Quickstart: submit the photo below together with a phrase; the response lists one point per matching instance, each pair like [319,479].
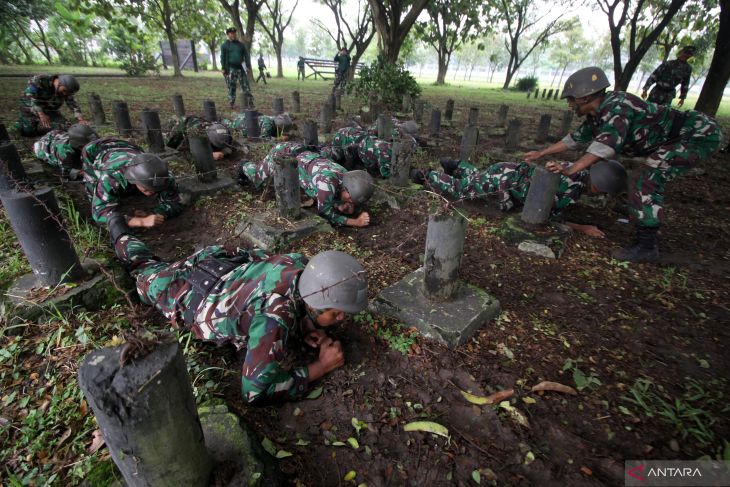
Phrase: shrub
[528,83]
[389,80]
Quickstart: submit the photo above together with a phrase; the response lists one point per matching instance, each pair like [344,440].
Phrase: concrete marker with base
[152,128]
[178,105]
[123,123]
[97,109]
[209,111]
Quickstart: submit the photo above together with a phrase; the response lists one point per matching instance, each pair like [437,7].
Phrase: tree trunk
[46,49]
[279,66]
[252,13]
[719,73]
[212,48]
[167,20]
[393,29]
[443,67]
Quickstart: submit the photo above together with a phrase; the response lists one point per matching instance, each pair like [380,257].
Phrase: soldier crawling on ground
[218,134]
[41,103]
[62,149]
[275,126]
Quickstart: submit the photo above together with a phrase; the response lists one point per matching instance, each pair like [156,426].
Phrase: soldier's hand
[217,156]
[532,156]
[363,220]
[148,221]
[593,231]
[644,94]
[45,120]
[680,102]
[315,338]
[330,355]
[554,167]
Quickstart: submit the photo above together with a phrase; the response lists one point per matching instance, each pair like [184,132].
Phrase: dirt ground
[643,344]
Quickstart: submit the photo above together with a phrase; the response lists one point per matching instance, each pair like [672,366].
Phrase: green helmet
[689,50]
[359,184]
[219,136]
[283,121]
[149,171]
[584,82]
[69,82]
[608,176]
[409,127]
[80,134]
[334,279]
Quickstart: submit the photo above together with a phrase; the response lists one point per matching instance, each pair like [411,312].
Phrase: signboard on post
[185,53]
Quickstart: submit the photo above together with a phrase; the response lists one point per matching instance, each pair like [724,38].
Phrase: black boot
[417,176]
[449,165]
[242,178]
[644,248]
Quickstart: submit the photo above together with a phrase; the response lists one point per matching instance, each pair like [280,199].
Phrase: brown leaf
[66,434]
[83,408]
[97,441]
[586,470]
[546,385]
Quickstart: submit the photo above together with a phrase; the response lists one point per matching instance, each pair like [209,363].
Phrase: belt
[677,124]
[204,277]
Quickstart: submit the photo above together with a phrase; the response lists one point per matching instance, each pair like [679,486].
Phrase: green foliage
[389,80]
[397,339]
[527,83]
[581,379]
[131,47]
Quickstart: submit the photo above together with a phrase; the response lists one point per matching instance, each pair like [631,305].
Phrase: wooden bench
[322,67]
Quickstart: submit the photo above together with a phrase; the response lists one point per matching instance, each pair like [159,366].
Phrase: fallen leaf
[586,470]
[337,443]
[428,427]
[83,408]
[546,385]
[353,443]
[491,399]
[515,413]
[350,476]
[297,412]
[529,458]
[97,441]
[66,434]
[283,454]
[315,393]
[476,476]
[301,442]
[528,400]
[269,446]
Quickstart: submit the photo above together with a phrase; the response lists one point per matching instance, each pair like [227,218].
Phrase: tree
[274,25]
[719,73]
[27,21]
[568,49]
[392,26]
[645,19]
[451,24]
[520,20]
[359,34]
[252,14]
[205,20]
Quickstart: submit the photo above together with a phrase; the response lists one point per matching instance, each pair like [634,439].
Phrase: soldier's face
[61,90]
[231,36]
[145,191]
[331,317]
[346,206]
[578,105]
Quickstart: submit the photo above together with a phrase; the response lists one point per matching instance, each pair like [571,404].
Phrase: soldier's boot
[242,178]
[449,165]
[417,176]
[644,248]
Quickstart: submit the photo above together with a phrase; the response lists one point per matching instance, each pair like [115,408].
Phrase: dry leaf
[554,386]
[586,470]
[96,442]
[491,399]
[428,427]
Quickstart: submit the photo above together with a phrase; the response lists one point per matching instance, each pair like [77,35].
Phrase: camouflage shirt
[255,305]
[670,74]
[40,96]
[321,179]
[55,149]
[238,124]
[104,161]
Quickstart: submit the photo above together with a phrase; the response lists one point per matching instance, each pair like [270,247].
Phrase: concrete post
[557,92]
[209,112]
[418,112]
[543,128]
[444,249]
[449,113]
[513,133]
[435,127]
[296,102]
[338,100]
[332,100]
[12,171]
[121,117]
[469,142]
[544,92]
[566,122]
[374,106]
[385,127]
[147,413]
[473,116]
[286,187]
[407,103]
[97,109]
[537,93]
[502,115]
[309,132]
[247,102]
[4,135]
[152,130]
[540,196]
[278,106]
[36,220]
[550,94]
[178,105]
[202,152]
[325,118]
[251,123]
[400,164]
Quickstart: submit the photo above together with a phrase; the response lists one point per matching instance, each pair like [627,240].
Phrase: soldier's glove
[117,227]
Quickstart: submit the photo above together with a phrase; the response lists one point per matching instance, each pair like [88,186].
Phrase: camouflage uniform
[667,76]
[234,58]
[262,71]
[260,172]
[103,163]
[345,140]
[376,155]
[55,149]
[179,128]
[509,181]
[40,97]
[249,300]
[672,142]
[238,124]
[341,71]
[300,69]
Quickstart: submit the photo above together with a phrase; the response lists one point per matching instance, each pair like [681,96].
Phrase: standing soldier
[300,68]
[234,60]
[342,59]
[262,69]
[667,76]
[621,123]
[62,150]
[42,100]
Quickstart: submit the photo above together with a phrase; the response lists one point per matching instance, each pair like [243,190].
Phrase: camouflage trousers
[662,96]
[699,139]
[261,76]
[29,125]
[300,73]
[236,77]
[258,172]
[340,80]
[375,155]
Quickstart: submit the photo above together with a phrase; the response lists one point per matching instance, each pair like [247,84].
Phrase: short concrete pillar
[296,102]
[400,164]
[544,92]
[540,196]
[449,112]
[325,118]
[338,100]
[550,94]
[502,115]
[309,132]
[444,249]
[513,133]
[407,103]
[557,92]
[374,106]
[473,116]
[36,220]
[209,112]
[469,142]
[543,128]
[12,171]
[152,130]
[435,126]
[278,106]
[537,93]
[251,123]
[202,153]
[286,187]
[4,135]
[178,105]
[120,110]
[385,127]
[97,109]
[147,413]
[332,100]
[418,111]
[566,122]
